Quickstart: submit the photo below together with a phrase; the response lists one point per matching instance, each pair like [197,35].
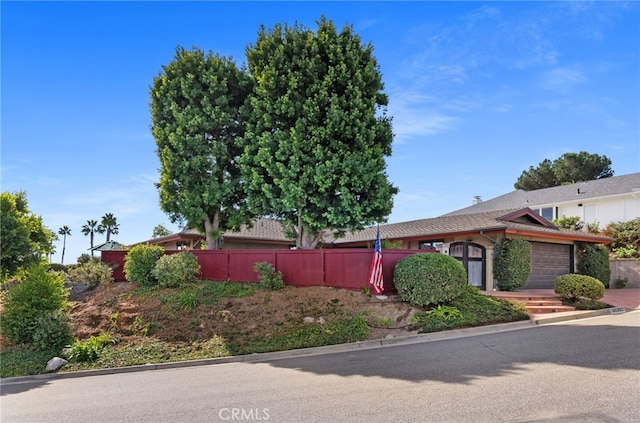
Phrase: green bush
[432,278]
[84,258]
[626,236]
[41,292]
[569,222]
[268,277]
[140,262]
[593,260]
[173,270]
[89,350]
[57,267]
[512,264]
[91,273]
[573,287]
[52,331]
[469,309]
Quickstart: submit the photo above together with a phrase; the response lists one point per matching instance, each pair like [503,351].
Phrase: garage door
[547,262]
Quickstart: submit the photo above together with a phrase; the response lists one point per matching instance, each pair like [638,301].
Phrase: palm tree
[90,229]
[109,223]
[64,231]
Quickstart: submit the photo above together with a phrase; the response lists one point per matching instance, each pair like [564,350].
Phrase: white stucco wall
[604,210]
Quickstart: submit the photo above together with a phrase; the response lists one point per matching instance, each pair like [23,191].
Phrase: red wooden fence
[337,267]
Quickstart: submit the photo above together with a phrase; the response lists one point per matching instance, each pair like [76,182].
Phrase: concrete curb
[304,352]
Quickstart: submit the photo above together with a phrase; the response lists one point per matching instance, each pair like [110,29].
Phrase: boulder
[55,363]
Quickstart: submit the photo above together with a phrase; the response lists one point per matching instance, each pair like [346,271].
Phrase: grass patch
[472,309]
[348,329]
[152,351]
[23,361]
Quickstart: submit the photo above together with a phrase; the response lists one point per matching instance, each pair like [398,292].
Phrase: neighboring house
[109,245]
[601,201]
[265,233]
[471,238]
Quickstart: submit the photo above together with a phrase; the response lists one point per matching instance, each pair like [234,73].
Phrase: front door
[473,258]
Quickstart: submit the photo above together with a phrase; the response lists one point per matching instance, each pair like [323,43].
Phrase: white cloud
[562,79]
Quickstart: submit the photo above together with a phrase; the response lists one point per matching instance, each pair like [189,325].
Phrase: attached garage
[547,262]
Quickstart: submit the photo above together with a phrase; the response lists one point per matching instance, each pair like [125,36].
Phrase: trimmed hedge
[512,264]
[573,287]
[177,269]
[593,260]
[429,279]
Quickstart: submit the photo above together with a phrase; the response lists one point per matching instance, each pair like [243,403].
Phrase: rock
[308,319]
[320,320]
[55,363]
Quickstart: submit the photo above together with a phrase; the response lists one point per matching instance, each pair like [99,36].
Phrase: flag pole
[376,278]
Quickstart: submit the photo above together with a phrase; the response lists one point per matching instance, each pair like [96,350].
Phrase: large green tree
[160,230]
[318,133]
[25,239]
[196,121]
[567,169]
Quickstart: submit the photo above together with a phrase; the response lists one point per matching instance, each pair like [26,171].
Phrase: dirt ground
[114,308]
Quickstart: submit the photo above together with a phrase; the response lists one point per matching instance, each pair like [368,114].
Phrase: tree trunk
[91,241]
[64,244]
[305,240]
[211,230]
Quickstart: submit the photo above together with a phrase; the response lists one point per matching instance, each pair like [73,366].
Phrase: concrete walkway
[628,298]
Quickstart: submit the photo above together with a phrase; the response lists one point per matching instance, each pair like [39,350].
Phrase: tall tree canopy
[567,169]
[25,239]
[318,133]
[90,229]
[195,109]
[110,225]
[64,231]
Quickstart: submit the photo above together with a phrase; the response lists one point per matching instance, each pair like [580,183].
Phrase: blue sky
[478,91]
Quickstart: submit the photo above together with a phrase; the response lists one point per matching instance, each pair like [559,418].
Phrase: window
[435,245]
[546,212]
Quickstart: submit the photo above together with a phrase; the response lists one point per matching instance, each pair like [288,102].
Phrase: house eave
[559,236]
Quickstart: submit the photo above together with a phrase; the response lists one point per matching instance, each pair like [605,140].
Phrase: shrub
[140,262]
[88,350]
[41,292]
[573,287]
[593,260]
[625,252]
[432,278]
[512,264]
[625,235]
[84,258]
[470,309]
[173,270]
[268,277]
[569,222]
[52,331]
[621,282]
[91,273]
[590,305]
[57,267]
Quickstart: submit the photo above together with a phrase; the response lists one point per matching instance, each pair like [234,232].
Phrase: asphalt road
[579,371]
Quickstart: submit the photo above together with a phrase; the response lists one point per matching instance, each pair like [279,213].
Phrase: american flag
[375,274]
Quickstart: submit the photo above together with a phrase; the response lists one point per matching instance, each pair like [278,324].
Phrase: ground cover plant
[125,324]
[469,309]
